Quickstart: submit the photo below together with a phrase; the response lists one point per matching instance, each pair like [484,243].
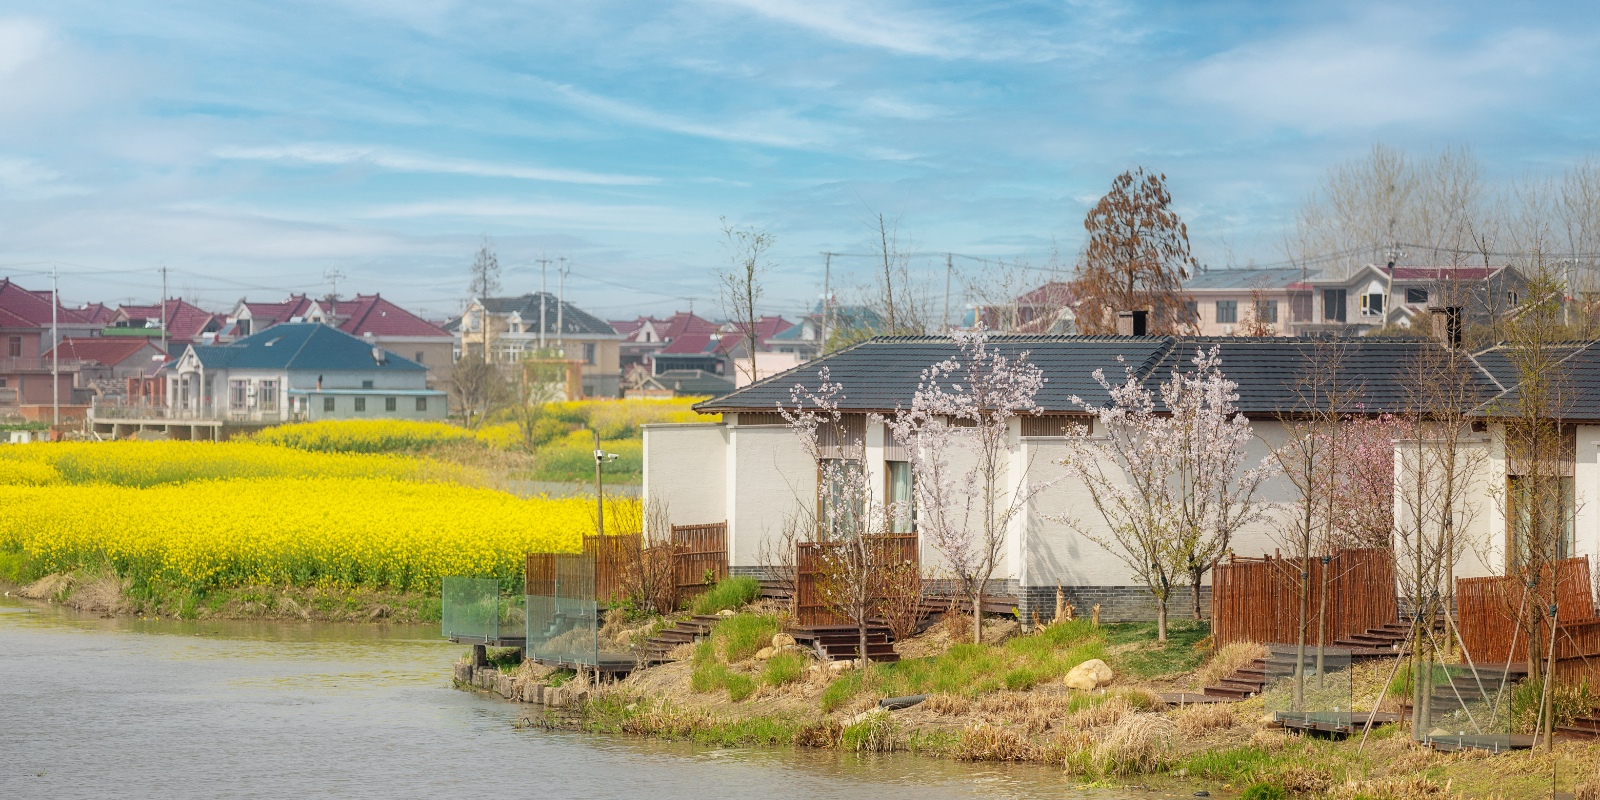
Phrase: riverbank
[105,594]
[1120,734]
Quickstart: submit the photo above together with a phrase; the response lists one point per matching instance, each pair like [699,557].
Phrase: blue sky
[253,147]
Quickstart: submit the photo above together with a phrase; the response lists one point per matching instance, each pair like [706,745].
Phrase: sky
[254,149]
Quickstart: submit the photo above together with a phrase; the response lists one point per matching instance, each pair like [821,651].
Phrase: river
[114,708]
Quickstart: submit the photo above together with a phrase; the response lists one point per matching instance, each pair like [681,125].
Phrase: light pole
[600,457]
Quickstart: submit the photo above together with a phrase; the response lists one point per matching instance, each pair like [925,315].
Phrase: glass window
[418,359]
[1511,298]
[269,395]
[839,510]
[588,352]
[1227,311]
[237,394]
[361,404]
[1372,304]
[422,404]
[1554,510]
[327,404]
[1416,295]
[900,497]
[1333,305]
[1193,307]
[14,347]
[390,404]
[1267,311]
[366,384]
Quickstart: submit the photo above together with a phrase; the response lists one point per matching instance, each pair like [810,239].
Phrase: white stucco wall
[685,467]
[770,478]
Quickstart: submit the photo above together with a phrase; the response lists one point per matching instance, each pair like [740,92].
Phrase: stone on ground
[1091,674]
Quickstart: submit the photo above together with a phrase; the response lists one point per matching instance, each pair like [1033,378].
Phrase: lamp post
[600,457]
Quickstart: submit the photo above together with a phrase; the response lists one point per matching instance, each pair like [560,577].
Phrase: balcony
[14,364]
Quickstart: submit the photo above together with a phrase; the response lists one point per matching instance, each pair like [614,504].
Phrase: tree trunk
[1322,628]
[861,645]
[1195,576]
[1299,698]
[977,617]
[1161,619]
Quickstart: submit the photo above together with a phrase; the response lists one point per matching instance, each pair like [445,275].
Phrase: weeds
[1230,658]
[739,637]
[1198,719]
[729,594]
[875,734]
[1139,743]
[783,668]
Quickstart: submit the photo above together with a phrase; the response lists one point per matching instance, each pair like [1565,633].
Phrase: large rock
[782,640]
[1091,674]
[763,654]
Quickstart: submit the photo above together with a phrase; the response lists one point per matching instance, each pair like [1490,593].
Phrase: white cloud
[1376,71]
[774,128]
[333,154]
[537,214]
[21,41]
[853,23]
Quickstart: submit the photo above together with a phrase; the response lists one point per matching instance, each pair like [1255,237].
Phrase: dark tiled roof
[1272,278]
[882,373]
[573,319]
[300,345]
[693,382]
[1576,384]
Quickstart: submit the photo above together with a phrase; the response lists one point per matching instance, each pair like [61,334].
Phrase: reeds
[1139,743]
[1198,719]
[1230,658]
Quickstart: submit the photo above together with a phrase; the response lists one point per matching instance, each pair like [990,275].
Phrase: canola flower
[158,463]
[363,435]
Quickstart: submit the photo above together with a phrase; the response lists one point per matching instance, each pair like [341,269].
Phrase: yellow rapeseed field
[363,435]
[181,515]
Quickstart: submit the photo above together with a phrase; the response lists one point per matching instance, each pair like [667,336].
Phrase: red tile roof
[29,309]
[107,350]
[98,313]
[185,321]
[375,315]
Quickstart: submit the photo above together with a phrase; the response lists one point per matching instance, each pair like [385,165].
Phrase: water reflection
[145,708]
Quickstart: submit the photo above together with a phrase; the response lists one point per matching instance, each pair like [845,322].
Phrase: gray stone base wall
[1117,603]
[759,573]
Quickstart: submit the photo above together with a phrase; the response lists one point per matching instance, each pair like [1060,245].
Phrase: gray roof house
[299,371]
[748,469]
[508,329]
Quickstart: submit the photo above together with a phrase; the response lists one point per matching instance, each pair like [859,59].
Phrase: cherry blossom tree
[1363,488]
[846,518]
[963,408]
[1166,475]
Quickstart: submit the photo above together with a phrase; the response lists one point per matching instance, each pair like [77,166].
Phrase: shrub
[1263,791]
[1230,658]
[875,734]
[729,594]
[1139,743]
[739,637]
[783,668]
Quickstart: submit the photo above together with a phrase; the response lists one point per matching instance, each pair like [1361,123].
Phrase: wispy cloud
[854,23]
[400,161]
[773,128]
[546,213]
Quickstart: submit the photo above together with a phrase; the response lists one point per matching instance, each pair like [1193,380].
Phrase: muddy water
[107,708]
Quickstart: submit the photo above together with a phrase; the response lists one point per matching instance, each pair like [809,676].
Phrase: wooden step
[1228,691]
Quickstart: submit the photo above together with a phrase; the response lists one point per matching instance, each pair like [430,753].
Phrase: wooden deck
[1341,722]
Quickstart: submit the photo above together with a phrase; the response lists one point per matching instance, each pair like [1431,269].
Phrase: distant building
[371,317]
[185,322]
[644,337]
[1373,296]
[681,383]
[25,374]
[106,363]
[508,329]
[1225,300]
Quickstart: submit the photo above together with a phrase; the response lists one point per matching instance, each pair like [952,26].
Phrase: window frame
[1227,312]
[1412,298]
[329,404]
[422,404]
[391,404]
[361,405]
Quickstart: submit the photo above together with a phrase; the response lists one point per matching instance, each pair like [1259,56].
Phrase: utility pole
[333,276]
[543,264]
[600,457]
[562,269]
[949,265]
[163,310]
[55,351]
[827,298]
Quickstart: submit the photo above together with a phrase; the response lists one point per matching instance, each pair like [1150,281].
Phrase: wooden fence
[698,552]
[1488,609]
[614,557]
[1258,599]
[811,570]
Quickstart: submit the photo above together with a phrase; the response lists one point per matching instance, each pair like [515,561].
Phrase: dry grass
[877,733]
[1110,712]
[1415,787]
[1139,743]
[824,733]
[1269,740]
[994,743]
[1300,779]
[1196,720]
[1230,658]
[948,705]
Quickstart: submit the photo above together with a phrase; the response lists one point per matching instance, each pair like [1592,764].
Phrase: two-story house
[511,329]
[371,317]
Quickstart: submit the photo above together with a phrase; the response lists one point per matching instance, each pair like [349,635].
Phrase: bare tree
[485,271]
[894,301]
[1137,257]
[540,379]
[741,285]
[478,387]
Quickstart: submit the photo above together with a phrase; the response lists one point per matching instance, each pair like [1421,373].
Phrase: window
[1372,305]
[1267,311]
[390,404]
[1227,311]
[836,506]
[327,404]
[418,359]
[1333,305]
[2,383]
[238,394]
[14,347]
[1416,296]
[361,404]
[1555,523]
[422,404]
[1511,298]
[366,384]
[588,353]
[1193,307]
[899,492]
[268,395]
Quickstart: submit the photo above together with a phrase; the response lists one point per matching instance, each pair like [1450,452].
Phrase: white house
[748,469]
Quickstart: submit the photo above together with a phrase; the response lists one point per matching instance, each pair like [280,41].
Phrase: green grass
[1237,765]
[969,670]
[1178,655]
[1263,791]
[783,668]
[734,639]
[739,637]
[729,594]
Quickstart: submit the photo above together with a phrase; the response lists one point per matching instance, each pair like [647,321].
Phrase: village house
[511,329]
[377,321]
[25,374]
[748,469]
[108,365]
[185,322]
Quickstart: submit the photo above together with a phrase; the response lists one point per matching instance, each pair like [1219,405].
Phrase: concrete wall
[771,478]
[685,467]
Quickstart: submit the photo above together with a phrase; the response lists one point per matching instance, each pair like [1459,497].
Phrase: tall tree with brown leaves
[1136,259]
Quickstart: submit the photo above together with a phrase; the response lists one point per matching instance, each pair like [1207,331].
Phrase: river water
[113,708]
